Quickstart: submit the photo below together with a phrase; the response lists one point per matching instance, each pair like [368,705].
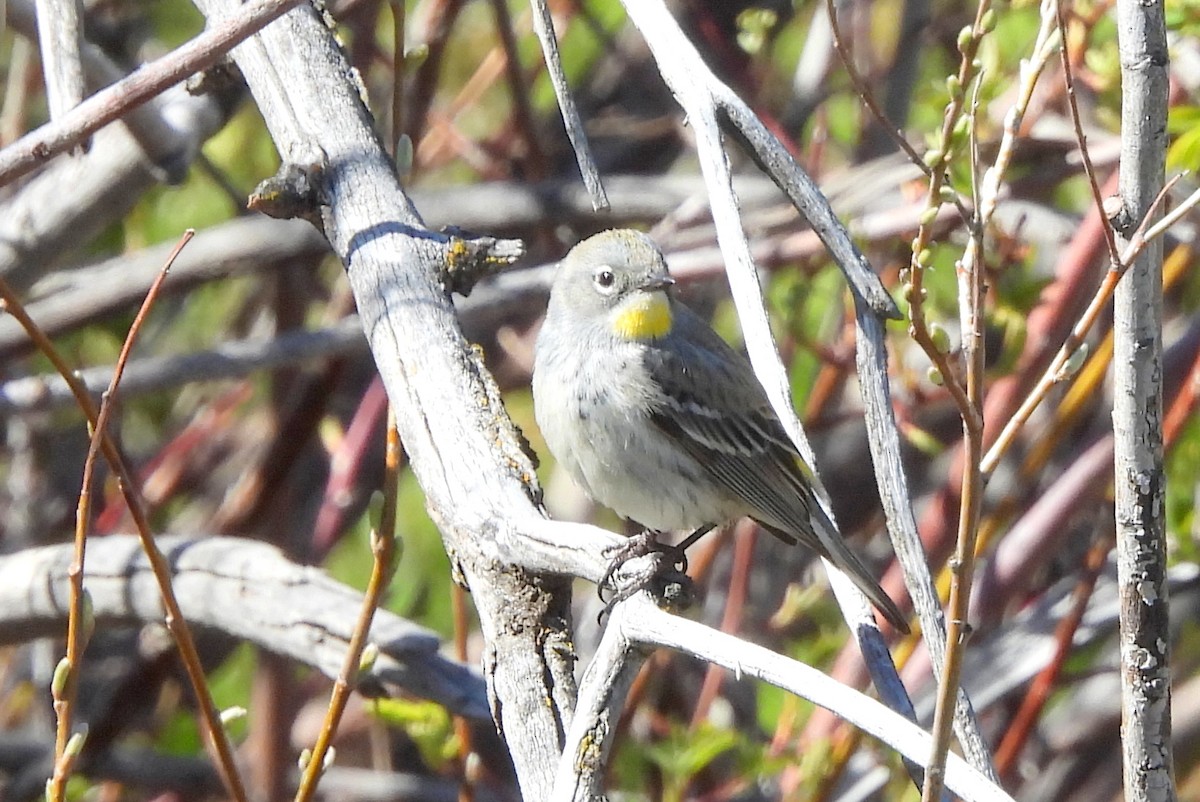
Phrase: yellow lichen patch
[646,316]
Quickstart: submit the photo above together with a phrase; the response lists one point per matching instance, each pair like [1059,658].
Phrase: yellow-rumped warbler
[656,417]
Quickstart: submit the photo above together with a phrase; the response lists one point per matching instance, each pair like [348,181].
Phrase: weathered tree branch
[1140,480]
[244,588]
[638,623]
[104,107]
[461,444]
[60,33]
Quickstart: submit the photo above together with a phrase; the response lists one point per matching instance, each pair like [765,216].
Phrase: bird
[655,416]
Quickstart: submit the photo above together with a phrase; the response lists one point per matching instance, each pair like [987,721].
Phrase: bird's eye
[605,278]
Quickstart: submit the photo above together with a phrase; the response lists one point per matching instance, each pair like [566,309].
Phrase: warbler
[657,418]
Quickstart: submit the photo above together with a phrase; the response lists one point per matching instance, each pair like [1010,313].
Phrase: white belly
[611,448]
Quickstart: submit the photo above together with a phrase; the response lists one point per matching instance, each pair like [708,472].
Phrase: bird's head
[617,279]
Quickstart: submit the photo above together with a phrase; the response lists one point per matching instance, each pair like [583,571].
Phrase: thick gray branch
[244,588]
[644,623]
[231,360]
[459,440]
[80,297]
[1137,415]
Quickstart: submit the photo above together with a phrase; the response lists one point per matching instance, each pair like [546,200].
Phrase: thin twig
[218,741]
[76,622]
[968,392]
[76,625]
[1060,367]
[399,12]
[1110,237]
[60,33]
[1148,234]
[543,24]
[962,566]
[383,551]
[939,161]
[104,107]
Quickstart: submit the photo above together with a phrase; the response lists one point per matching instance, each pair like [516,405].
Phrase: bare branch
[543,24]
[60,33]
[104,107]
[645,623]
[1137,415]
[452,417]
[245,588]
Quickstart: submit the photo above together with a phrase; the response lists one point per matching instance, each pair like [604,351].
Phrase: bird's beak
[657,283]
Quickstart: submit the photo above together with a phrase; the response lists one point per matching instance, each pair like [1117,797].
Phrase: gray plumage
[673,431]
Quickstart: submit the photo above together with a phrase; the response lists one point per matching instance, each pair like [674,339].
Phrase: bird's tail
[834,549]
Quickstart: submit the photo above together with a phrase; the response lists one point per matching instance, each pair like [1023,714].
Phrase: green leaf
[1184,152]
[426,723]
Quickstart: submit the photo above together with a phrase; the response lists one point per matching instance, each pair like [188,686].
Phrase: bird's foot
[664,575]
[643,544]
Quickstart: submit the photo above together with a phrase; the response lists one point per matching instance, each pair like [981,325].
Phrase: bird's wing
[715,410]
[713,407]
[741,455]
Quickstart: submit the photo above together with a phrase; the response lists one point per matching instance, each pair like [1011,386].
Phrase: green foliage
[843,119]
[243,150]
[1073,194]
[1103,62]
[1183,462]
[1016,30]
[1183,123]
[789,42]
[80,788]
[754,29]
[684,753]
[1183,17]
[174,23]
[426,723]
[773,703]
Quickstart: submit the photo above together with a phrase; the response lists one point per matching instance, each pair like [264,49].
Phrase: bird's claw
[664,576]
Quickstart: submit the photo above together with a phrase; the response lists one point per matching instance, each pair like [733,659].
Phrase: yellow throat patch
[645,317]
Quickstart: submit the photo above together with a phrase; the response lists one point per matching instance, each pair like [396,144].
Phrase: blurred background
[252,407]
